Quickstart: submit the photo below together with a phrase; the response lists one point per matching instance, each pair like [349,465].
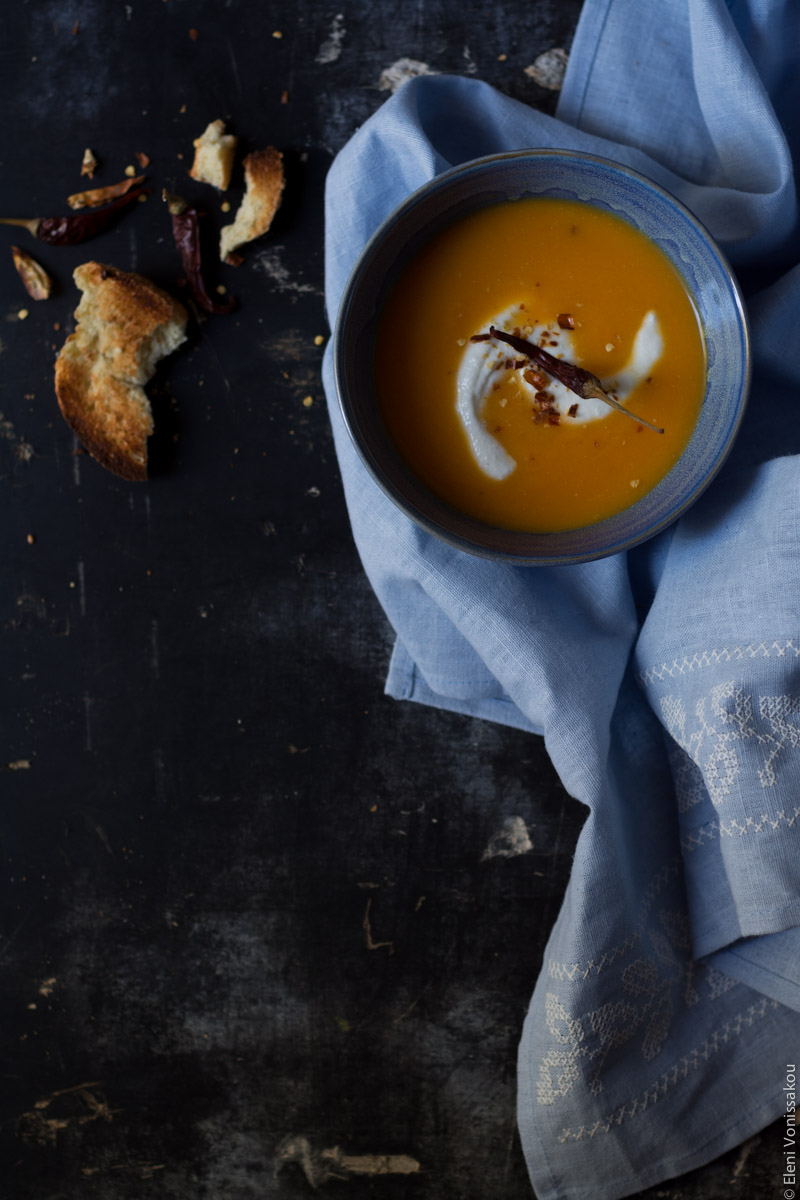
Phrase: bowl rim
[529,557]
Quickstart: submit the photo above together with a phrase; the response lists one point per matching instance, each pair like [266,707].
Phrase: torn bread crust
[214,152]
[263,173]
[125,325]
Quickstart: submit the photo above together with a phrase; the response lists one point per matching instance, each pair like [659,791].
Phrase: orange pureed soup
[483,427]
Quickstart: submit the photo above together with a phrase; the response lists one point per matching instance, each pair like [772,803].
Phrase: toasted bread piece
[213,156]
[263,173]
[125,325]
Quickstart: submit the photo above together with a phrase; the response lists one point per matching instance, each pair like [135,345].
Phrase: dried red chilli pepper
[38,283]
[186,232]
[582,383]
[78,226]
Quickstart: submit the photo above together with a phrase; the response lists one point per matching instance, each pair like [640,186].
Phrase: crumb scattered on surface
[89,164]
[403,69]
[548,69]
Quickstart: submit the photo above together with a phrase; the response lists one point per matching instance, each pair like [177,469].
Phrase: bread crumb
[130,171]
[634,483]
[225,206]
[609,347]
[319,339]
[308,401]
[30,539]
[214,151]
[277,33]
[89,164]
[23,314]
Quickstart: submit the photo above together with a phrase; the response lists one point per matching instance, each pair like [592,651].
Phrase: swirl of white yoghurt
[483,364]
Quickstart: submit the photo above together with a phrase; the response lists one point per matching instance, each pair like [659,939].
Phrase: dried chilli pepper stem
[582,383]
[78,226]
[186,232]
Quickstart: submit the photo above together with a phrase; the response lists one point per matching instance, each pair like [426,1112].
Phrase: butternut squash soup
[494,433]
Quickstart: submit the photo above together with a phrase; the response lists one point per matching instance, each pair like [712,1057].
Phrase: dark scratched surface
[250,909]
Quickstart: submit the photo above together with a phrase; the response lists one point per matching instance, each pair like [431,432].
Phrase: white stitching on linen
[711,745]
[571,971]
[712,658]
[681,1070]
[650,988]
[767,822]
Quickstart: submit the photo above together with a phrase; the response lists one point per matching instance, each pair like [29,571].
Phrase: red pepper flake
[142,159]
[284,97]
[566,320]
[579,381]
[572,411]
[534,378]
[193,34]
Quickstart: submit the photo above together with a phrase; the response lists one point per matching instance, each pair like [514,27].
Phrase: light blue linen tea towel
[666,682]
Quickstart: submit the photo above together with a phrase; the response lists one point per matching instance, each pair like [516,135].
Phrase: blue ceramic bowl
[607,185]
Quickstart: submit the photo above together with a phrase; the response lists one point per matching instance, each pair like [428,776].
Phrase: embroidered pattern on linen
[576,970]
[765,823]
[787,648]
[716,1041]
[725,716]
[651,988]
[723,720]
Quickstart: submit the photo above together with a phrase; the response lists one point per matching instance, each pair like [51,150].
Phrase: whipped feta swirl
[484,365]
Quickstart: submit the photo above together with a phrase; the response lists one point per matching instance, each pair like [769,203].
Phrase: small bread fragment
[213,156]
[125,325]
[263,173]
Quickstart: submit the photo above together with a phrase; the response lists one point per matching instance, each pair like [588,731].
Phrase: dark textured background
[247,898]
